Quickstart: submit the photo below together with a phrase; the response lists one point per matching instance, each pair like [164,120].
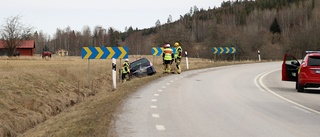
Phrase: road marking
[153,106]
[168,83]
[296,107]
[160,127]
[160,90]
[156,95]
[155,115]
[171,81]
[154,100]
[256,81]
[163,86]
[269,90]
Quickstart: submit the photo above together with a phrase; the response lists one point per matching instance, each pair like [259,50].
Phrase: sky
[48,15]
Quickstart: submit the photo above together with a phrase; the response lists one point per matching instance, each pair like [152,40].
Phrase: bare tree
[14,32]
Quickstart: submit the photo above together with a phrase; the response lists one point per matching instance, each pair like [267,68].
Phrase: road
[231,101]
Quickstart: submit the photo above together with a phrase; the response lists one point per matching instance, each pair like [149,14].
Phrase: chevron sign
[104,52]
[224,50]
[159,50]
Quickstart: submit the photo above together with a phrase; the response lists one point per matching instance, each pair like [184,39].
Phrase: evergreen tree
[275,27]
[46,48]
[158,24]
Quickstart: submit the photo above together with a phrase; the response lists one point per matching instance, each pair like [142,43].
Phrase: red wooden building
[26,49]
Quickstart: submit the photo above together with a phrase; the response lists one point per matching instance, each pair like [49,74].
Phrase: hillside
[274,27]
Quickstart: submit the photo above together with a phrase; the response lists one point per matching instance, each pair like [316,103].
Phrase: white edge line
[295,103]
[256,82]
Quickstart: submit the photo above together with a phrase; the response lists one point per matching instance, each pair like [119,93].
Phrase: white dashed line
[155,115]
[160,127]
[171,81]
[160,90]
[168,83]
[154,100]
[163,86]
[156,95]
[153,106]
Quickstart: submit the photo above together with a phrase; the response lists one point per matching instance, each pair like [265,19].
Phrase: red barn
[26,49]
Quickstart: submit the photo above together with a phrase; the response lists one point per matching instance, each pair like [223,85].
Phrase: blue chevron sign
[159,50]
[224,50]
[92,52]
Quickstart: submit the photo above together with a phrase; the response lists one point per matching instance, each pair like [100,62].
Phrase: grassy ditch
[54,97]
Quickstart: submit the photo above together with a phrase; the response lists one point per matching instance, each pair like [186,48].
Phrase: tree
[158,24]
[46,48]
[14,32]
[112,37]
[169,20]
[275,27]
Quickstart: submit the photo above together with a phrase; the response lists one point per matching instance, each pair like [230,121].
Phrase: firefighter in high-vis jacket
[178,56]
[125,70]
[167,56]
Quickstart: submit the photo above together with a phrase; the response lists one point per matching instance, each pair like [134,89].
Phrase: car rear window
[314,61]
[142,62]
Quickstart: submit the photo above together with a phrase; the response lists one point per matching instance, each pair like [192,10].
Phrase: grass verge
[53,97]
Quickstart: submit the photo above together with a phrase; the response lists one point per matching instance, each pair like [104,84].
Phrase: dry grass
[53,97]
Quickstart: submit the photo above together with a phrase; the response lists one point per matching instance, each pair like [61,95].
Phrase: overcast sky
[48,15]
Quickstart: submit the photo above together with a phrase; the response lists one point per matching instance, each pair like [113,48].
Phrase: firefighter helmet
[126,60]
[176,44]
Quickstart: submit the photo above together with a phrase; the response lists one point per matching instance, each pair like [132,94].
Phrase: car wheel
[299,87]
[151,70]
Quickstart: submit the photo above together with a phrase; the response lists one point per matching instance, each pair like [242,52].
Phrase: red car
[46,53]
[306,74]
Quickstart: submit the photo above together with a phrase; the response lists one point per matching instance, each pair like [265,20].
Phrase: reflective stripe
[178,51]
[167,54]
[125,67]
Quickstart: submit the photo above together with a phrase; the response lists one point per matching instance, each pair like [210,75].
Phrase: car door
[290,68]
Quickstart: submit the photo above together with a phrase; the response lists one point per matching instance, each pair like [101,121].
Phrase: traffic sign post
[186,54]
[114,73]
[259,55]
[101,52]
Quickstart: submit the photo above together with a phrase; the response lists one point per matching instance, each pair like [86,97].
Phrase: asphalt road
[233,101]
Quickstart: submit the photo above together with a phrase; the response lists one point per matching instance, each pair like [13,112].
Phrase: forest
[273,27]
